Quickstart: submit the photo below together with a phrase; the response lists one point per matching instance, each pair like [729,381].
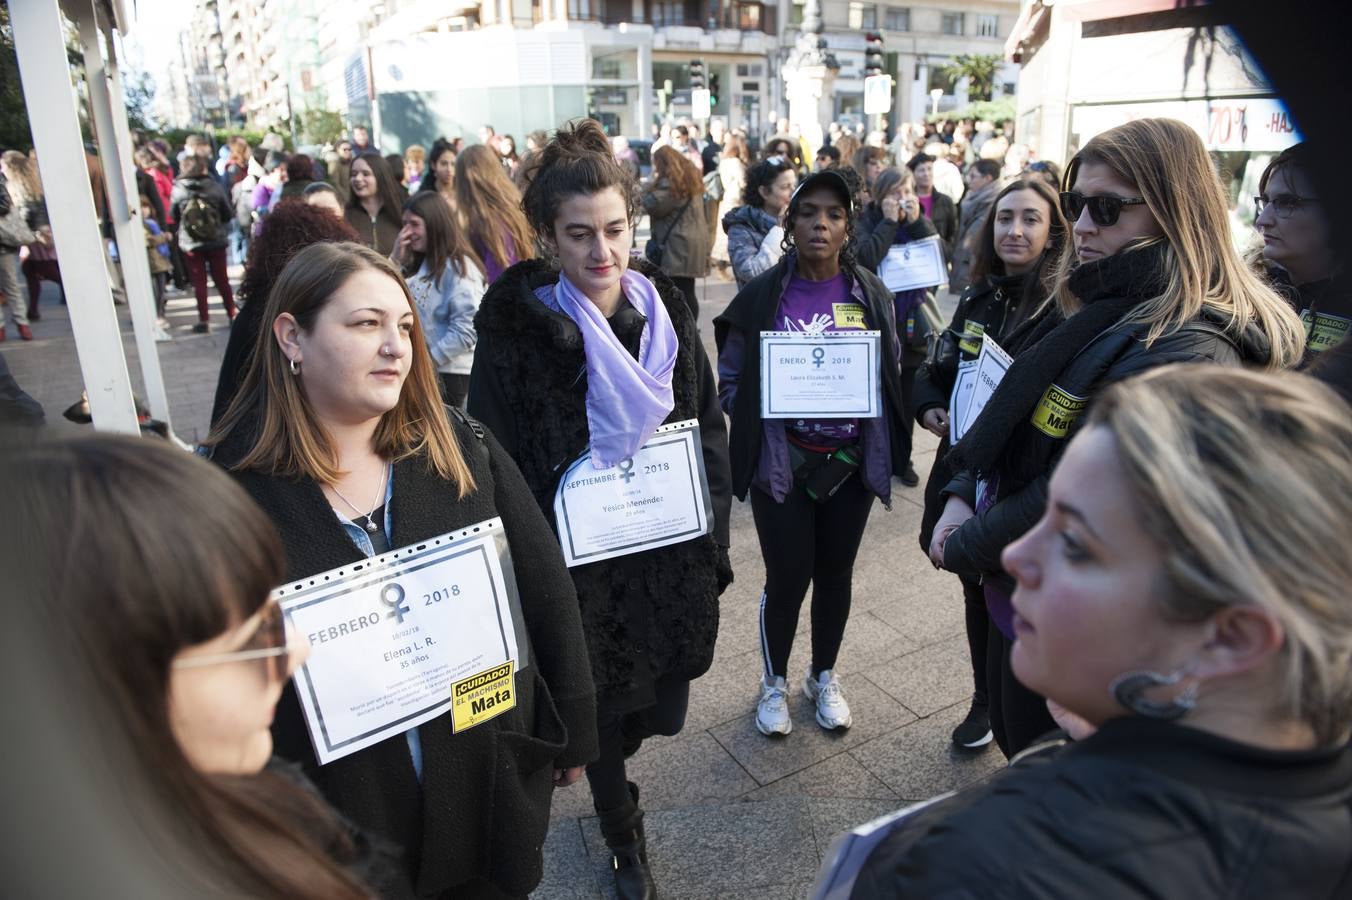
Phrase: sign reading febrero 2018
[402,638]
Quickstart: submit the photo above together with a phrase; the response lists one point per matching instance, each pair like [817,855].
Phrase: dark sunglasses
[1103,209]
[268,645]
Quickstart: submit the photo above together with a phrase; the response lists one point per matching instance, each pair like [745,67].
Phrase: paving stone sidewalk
[730,813]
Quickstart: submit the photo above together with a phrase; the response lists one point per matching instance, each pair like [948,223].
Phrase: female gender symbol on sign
[818,356]
[392,595]
[624,466]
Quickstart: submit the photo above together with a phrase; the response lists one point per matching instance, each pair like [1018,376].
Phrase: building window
[952,23]
[796,12]
[863,16]
[898,19]
[581,10]
[987,26]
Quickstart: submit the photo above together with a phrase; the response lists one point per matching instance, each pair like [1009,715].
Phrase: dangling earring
[295,369]
[1129,691]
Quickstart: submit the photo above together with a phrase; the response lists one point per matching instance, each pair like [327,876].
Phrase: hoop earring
[295,369]
[1129,690]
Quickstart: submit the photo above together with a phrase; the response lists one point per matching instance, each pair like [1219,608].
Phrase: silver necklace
[370,526]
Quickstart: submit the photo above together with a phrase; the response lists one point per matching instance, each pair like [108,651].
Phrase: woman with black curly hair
[580,359]
[807,534]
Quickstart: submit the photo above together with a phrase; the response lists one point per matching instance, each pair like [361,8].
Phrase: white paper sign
[917,264]
[960,399]
[392,638]
[827,375]
[657,497]
[991,365]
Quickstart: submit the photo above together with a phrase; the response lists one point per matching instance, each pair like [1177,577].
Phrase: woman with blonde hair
[680,236]
[1152,279]
[340,434]
[1182,605]
[414,157]
[490,206]
[26,194]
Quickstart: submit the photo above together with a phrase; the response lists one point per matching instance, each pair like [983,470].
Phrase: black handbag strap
[672,226]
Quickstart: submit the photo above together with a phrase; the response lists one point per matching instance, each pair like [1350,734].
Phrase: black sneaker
[975,731]
[200,328]
[910,477]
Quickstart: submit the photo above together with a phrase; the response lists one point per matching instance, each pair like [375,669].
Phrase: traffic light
[714,87]
[696,74]
[873,53]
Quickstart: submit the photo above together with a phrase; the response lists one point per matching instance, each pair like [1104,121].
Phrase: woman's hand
[936,421]
[402,246]
[565,777]
[956,512]
[891,208]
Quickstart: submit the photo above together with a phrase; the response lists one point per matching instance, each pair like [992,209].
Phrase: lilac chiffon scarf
[627,398]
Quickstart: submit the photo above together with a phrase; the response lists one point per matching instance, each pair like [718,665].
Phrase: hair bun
[580,137]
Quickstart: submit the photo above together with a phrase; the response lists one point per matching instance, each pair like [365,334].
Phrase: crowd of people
[427,342]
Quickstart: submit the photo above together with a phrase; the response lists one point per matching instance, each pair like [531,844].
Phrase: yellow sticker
[970,340]
[1324,331]
[478,698]
[848,315]
[1057,411]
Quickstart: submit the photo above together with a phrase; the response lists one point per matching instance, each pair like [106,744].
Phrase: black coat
[945,219]
[874,238]
[1118,352]
[482,810]
[992,307]
[1141,810]
[646,615]
[752,311]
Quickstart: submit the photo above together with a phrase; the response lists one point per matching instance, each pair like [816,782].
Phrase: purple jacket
[774,471]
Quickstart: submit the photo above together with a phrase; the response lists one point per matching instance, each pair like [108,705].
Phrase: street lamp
[935,94]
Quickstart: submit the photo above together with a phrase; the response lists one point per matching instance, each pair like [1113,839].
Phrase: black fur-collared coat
[648,615]
[474,825]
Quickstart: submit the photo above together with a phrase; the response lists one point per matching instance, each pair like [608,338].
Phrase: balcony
[747,17]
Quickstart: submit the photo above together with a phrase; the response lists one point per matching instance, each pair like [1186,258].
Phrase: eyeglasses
[1282,204]
[1103,209]
[268,643]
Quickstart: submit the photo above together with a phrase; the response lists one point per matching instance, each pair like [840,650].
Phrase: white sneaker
[824,690]
[162,334]
[772,713]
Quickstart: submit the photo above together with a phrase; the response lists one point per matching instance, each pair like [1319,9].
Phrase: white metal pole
[124,207]
[40,45]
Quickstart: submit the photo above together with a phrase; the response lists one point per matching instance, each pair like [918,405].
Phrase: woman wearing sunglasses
[1298,238]
[340,434]
[147,572]
[1022,240]
[1153,279]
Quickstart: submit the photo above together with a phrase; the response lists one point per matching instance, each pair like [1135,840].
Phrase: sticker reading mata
[1057,411]
[480,697]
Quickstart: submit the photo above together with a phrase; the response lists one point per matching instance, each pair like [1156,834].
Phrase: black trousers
[978,627]
[805,541]
[687,286]
[908,374]
[1018,716]
[609,784]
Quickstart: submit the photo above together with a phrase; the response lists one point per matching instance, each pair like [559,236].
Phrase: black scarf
[1109,288]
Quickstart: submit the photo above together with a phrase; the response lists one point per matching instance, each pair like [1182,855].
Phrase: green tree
[139,93]
[14,130]
[979,70]
[320,126]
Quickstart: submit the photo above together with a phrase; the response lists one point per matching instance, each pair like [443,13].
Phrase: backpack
[201,220]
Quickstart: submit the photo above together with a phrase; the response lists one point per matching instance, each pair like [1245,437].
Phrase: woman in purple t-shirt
[812,481]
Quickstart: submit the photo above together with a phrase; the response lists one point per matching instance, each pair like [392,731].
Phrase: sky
[154,32]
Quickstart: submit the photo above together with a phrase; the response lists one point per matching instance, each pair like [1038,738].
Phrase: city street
[730,813]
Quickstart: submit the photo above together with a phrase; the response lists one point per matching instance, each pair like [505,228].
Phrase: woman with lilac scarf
[893,218]
[583,357]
